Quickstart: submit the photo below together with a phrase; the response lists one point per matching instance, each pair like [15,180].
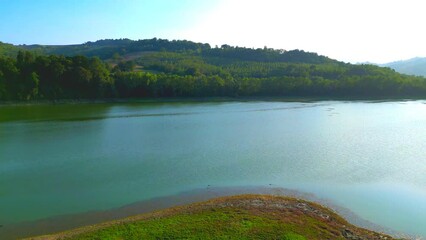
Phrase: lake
[61,159]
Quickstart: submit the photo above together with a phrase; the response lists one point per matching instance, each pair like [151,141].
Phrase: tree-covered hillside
[162,68]
[8,50]
[116,48]
[113,48]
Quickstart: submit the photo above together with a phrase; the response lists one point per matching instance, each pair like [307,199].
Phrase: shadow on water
[66,222]
[93,112]
[99,111]
[139,115]
[50,112]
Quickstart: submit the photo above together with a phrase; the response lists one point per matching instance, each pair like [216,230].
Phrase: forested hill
[116,48]
[161,68]
[9,50]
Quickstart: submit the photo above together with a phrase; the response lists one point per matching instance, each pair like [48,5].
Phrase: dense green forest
[161,68]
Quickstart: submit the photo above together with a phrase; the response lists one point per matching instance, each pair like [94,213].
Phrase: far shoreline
[205,99]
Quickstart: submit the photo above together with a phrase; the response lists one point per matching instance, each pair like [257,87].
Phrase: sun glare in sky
[347,30]
[355,31]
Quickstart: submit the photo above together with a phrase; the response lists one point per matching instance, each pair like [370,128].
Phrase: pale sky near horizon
[348,30]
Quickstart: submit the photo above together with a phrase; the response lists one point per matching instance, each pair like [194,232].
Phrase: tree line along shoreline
[204,72]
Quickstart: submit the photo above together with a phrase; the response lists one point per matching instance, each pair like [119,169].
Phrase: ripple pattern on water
[61,159]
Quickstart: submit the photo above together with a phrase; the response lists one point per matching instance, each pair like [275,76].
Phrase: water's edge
[67,222]
[207,99]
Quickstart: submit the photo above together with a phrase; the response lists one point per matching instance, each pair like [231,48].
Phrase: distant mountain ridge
[114,48]
[414,66]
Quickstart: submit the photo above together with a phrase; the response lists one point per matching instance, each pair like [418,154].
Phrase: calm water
[61,159]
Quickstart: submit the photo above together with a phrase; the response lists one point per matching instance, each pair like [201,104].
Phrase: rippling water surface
[367,156]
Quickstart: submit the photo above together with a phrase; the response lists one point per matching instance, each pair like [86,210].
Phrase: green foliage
[125,66]
[265,55]
[8,50]
[53,77]
[110,48]
[188,69]
[288,78]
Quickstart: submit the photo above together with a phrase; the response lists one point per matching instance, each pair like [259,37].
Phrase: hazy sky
[347,30]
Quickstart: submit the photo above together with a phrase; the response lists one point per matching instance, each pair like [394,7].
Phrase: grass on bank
[238,217]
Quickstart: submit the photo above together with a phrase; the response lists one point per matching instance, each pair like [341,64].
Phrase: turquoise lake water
[369,157]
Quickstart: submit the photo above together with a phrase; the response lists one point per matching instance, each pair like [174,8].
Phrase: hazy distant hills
[414,66]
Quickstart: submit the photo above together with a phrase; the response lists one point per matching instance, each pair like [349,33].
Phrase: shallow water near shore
[73,158]
[72,221]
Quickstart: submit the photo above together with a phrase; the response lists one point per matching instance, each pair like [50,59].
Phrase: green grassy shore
[237,217]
